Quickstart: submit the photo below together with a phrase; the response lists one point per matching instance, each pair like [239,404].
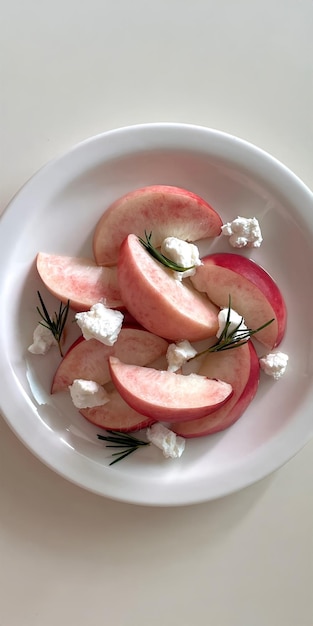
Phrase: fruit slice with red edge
[79,280]
[164,210]
[89,359]
[160,303]
[166,396]
[254,294]
[116,415]
[240,368]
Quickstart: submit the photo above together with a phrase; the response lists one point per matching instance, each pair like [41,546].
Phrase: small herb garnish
[125,442]
[56,324]
[160,257]
[233,339]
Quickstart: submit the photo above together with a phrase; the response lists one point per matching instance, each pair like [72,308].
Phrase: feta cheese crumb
[243,232]
[167,441]
[274,364]
[87,393]
[178,353]
[182,253]
[100,323]
[43,340]
[234,319]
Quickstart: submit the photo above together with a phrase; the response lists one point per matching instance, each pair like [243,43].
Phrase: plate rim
[8,214]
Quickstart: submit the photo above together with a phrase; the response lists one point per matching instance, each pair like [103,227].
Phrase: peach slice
[240,368]
[79,280]
[254,294]
[160,303]
[162,209]
[167,396]
[116,415]
[89,359]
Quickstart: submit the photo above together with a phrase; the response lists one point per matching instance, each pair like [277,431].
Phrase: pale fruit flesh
[253,292]
[161,304]
[89,359]
[116,415]
[161,209]
[240,368]
[79,280]
[167,396]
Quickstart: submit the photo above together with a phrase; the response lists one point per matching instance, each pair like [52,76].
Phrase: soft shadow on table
[36,503]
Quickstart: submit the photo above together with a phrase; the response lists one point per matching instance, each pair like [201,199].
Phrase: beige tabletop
[70,70]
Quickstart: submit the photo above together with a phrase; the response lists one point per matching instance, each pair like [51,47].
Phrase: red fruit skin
[165,396]
[161,304]
[163,209]
[254,293]
[79,280]
[228,414]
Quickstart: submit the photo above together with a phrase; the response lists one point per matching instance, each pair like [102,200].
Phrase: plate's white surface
[56,211]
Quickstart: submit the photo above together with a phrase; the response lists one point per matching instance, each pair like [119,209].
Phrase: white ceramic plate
[56,211]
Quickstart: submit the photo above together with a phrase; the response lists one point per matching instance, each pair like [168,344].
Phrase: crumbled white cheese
[43,340]
[100,323]
[182,253]
[274,364]
[87,393]
[178,353]
[167,441]
[234,319]
[243,232]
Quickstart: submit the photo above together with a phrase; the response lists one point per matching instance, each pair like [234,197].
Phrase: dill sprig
[160,257]
[124,442]
[56,324]
[234,338]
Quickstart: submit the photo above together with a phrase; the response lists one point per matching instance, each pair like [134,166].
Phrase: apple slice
[116,415]
[254,294]
[162,209]
[79,280]
[89,359]
[240,368]
[166,396]
[160,303]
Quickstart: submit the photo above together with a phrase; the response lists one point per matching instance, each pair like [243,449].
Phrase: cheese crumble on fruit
[243,232]
[178,353]
[87,394]
[182,253]
[100,323]
[235,322]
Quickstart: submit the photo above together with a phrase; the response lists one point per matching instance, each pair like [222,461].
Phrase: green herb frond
[160,257]
[56,324]
[125,443]
[233,339]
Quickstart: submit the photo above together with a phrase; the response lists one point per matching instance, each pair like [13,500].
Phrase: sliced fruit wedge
[160,303]
[116,415]
[164,210]
[89,359]
[79,280]
[254,294]
[167,396]
[240,368]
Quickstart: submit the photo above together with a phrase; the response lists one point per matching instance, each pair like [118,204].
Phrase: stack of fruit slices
[160,309]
